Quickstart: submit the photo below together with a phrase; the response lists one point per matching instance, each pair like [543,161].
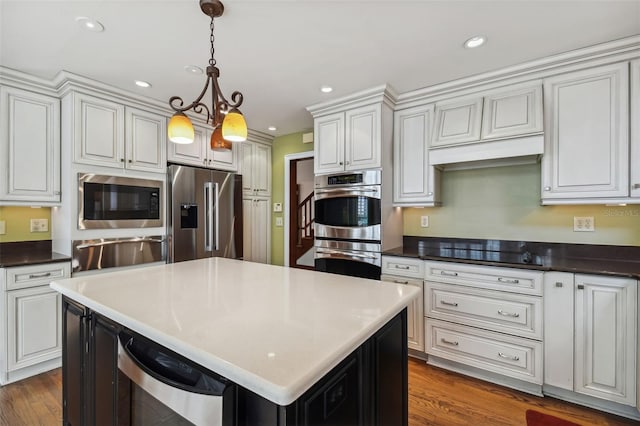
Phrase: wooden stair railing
[305,222]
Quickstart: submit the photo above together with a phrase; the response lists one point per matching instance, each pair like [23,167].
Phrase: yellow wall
[17,223]
[504,203]
[282,145]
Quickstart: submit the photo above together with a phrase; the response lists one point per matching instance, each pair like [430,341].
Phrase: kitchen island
[291,346]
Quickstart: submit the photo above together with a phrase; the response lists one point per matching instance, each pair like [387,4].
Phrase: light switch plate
[583,224]
[3,227]
[279,221]
[39,225]
[424,221]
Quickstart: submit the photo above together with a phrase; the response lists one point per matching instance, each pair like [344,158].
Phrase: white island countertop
[273,330]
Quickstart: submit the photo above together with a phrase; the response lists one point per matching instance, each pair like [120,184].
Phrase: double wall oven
[348,233]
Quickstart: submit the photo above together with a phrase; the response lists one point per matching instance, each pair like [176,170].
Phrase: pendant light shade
[180,129]
[218,143]
[234,128]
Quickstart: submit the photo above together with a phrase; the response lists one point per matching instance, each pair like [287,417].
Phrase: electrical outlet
[277,207]
[583,224]
[3,227]
[424,221]
[279,221]
[39,225]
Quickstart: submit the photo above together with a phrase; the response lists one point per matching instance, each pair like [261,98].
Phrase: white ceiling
[279,53]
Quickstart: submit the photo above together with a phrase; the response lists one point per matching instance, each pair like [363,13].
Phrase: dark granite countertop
[577,258]
[29,253]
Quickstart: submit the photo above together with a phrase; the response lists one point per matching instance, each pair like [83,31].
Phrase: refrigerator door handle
[208,216]
[216,207]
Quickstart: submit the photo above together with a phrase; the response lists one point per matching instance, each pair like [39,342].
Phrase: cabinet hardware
[429,193]
[402,267]
[508,281]
[34,276]
[341,163]
[558,284]
[449,274]
[444,302]
[580,287]
[130,161]
[347,163]
[400,282]
[56,192]
[122,160]
[636,186]
[509,357]
[508,314]
[547,188]
[448,342]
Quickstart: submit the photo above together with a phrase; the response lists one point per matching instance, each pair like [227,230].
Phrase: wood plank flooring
[436,397]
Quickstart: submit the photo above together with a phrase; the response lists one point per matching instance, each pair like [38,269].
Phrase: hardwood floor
[436,397]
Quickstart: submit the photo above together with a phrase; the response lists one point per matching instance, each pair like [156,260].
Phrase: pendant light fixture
[225,117]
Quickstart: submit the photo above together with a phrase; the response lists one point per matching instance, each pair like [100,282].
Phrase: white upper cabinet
[29,147]
[199,153]
[414,180]
[256,169]
[354,132]
[145,140]
[99,137]
[457,121]
[513,112]
[587,139]
[635,129]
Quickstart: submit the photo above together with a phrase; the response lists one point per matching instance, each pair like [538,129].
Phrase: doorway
[299,212]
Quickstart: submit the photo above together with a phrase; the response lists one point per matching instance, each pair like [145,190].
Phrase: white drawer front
[510,356]
[403,266]
[515,314]
[490,277]
[34,275]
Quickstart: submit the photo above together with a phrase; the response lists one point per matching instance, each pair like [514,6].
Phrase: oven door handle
[346,255]
[323,253]
[119,241]
[339,190]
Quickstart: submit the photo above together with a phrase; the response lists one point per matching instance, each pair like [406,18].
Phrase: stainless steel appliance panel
[205,214]
[113,252]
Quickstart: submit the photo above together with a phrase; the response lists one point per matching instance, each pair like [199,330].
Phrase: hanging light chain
[212,38]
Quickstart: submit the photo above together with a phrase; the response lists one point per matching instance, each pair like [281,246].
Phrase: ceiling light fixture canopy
[228,122]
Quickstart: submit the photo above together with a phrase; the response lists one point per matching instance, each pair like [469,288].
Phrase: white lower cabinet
[31,312]
[256,233]
[591,335]
[415,316]
[485,321]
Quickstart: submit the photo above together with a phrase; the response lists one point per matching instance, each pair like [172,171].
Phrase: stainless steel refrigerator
[205,214]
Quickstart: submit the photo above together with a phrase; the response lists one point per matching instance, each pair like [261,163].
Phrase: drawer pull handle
[508,280]
[44,275]
[509,357]
[400,282]
[448,342]
[449,274]
[402,267]
[636,186]
[444,302]
[508,314]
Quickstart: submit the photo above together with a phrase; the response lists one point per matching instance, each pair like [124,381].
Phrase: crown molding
[379,94]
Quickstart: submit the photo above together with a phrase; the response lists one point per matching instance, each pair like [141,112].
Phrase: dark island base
[369,387]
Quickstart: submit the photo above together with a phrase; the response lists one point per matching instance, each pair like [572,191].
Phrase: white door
[586,134]
[413,178]
[194,153]
[605,345]
[98,131]
[635,129]
[29,146]
[34,328]
[513,112]
[146,141]
[457,121]
[328,134]
[363,143]
[558,321]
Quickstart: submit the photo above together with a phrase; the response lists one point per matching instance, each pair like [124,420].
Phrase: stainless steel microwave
[119,202]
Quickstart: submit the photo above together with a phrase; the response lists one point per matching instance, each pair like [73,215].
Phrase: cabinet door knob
[429,193]
[130,161]
[636,186]
[122,160]
[580,287]
[558,284]
[547,188]
[341,163]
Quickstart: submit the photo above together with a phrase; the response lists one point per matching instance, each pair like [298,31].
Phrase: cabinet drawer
[507,355]
[489,277]
[403,266]
[515,314]
[34,275]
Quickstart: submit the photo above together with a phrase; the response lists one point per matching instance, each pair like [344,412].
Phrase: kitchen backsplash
[17,224]
[504,203]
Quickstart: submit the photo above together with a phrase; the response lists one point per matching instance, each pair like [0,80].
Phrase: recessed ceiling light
[192,69]
[326,89]
[90,24]
[272,128]
[141,83]
[476,41]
